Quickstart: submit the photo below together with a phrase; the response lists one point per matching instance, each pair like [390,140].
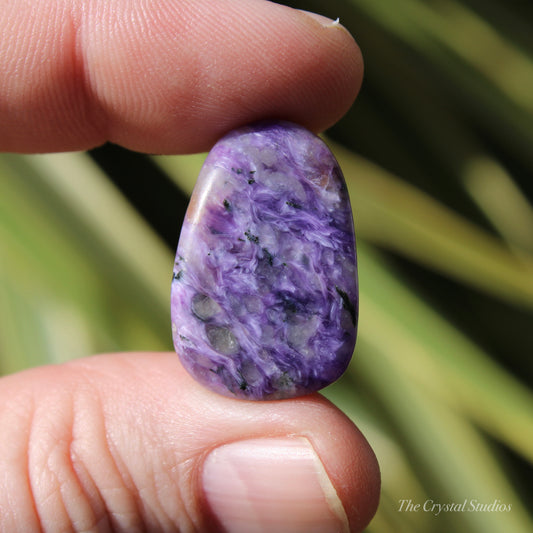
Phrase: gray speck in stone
[301,329]
[204,307]
[221,339]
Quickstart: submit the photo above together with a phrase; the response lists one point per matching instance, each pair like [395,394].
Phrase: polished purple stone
[264,295]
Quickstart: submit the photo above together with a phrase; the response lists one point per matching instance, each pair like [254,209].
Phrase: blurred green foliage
[437,156]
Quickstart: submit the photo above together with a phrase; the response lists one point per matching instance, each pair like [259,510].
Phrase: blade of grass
[455,462]
[183,170]
[20,339]
[501,200]
[434,37]
[401,218]
[442,360]
[73,241]
[398,478]
[41,272]
[483,48]
[79,183]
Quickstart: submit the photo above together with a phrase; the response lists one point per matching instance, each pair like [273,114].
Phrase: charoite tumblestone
[264,293]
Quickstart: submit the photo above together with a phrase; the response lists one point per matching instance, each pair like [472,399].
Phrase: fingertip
[171,78]
[226,439]
[261,61]
[285,484]
[271,484]
[140,441]
[351,465]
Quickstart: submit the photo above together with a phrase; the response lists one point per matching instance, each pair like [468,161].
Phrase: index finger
[165,77]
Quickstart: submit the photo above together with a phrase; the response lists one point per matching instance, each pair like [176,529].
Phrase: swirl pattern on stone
[264,297]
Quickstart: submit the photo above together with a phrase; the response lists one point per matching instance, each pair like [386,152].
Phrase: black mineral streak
[291,203]
[251,237]
[347,303]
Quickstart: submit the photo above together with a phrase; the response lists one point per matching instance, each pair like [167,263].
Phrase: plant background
[437,153]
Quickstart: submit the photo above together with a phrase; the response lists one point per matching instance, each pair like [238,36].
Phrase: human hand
[129,442]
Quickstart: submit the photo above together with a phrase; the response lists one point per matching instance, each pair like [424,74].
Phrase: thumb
[129,442]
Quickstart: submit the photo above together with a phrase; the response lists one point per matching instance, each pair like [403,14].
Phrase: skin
[165,77]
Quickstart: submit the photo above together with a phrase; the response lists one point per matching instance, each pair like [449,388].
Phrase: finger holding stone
[130,442]
[165,77]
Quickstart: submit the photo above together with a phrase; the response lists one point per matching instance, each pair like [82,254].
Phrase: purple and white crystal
[264,294]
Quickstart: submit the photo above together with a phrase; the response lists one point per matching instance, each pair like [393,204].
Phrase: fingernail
[266,485]
[324,21]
